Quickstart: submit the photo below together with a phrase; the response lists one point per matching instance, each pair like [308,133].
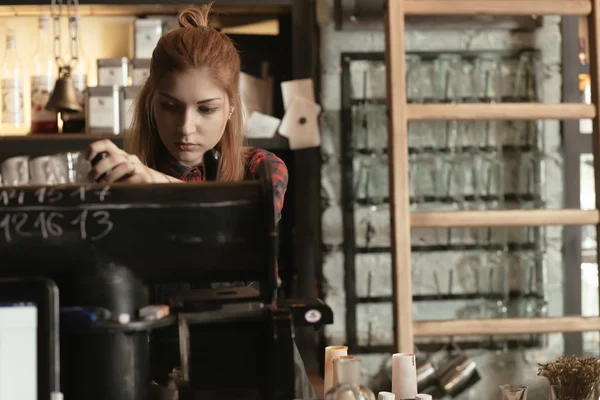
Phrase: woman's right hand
[111,164]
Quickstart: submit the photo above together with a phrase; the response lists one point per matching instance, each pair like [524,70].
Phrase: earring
[230,114]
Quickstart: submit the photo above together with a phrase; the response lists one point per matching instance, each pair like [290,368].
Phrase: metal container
[459,374]
[102,110]
[147,34]
[127,106]
[113,71]
[110,360]
[140,70]
[426,375]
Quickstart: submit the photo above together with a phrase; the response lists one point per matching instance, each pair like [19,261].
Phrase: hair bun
[194,17]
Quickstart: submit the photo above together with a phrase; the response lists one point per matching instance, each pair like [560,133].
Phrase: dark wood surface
[195,233]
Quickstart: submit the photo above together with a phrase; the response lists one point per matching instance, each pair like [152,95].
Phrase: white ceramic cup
[15,171]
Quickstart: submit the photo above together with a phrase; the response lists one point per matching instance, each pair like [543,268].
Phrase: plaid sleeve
[279,176]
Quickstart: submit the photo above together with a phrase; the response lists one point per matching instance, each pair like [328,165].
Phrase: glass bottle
[510,392]
[75,122]
[12,88]
[447,72]
[348,387]
[43,78]
[488,78]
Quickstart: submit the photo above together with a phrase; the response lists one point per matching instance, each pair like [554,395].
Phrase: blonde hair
[193,45]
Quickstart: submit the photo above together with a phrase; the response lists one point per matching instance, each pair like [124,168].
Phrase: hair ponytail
[195,17]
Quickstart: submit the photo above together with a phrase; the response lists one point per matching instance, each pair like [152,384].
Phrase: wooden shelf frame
[132,8]
[503,218]
[499,111]
[401,112]
[508,326]
[497,7]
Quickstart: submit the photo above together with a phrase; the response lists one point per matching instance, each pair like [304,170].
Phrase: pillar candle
[404,376]
[332,352]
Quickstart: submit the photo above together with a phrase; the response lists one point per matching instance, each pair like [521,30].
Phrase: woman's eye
[169,106]
[208,110]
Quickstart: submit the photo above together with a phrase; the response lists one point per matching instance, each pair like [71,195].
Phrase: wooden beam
[398,170]
[503,218]
[594,49]
[497,7]
[500,111]
[132,8]
[508,326]
[160,3]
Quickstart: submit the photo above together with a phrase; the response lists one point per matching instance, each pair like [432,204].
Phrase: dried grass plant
[571,378]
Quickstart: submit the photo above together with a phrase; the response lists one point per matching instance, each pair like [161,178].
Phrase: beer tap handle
[212,163]
[98,157]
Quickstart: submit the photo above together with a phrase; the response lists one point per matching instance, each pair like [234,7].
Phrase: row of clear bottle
[43,75]
[343,378]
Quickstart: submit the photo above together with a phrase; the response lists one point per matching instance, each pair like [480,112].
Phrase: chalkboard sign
[195,233]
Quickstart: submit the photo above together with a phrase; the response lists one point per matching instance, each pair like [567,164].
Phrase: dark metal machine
[108,247]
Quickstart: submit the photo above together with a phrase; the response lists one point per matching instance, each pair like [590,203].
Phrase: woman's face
[191,111]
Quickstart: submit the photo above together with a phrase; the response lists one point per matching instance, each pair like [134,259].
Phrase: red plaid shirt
[254,157]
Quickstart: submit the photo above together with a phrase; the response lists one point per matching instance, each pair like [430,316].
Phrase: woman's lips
[187,146]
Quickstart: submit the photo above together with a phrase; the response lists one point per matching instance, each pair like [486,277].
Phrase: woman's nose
[188,124]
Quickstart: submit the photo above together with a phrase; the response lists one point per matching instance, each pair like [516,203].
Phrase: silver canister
[426,374]
[147,33]
[113,71]
[102,110]
[458,374]
[128,97]
[140,70]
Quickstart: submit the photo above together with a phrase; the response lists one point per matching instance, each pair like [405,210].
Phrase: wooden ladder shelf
[401,112]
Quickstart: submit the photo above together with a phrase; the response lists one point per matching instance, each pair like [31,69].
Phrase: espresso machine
[109,248]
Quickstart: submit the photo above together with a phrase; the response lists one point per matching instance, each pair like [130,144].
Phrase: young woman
[191,104]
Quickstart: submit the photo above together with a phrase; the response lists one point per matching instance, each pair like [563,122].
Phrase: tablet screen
[18,351]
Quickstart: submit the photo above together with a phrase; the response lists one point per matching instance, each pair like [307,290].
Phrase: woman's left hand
[117,165]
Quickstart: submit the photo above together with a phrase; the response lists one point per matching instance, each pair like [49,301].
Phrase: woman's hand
[119,166]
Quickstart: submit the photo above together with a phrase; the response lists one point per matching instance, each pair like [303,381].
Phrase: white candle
[332,352]
[404,376]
